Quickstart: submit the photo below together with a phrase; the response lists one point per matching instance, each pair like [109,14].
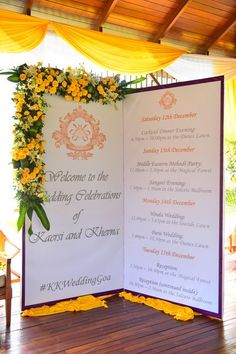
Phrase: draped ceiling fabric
[195,66]
[191,67]
[230,109]
[122,55]
[21,33]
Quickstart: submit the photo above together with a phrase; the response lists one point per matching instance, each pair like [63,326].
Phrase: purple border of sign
[219,314]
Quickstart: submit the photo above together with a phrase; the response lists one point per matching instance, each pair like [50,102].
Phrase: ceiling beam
[220,33]
[154,79]
[170,21]
[106,12]
[28,7]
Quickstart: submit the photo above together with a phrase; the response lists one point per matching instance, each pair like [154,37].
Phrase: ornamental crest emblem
[80,133]
[168,100]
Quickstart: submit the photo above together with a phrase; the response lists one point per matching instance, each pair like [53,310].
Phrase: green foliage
[231,158]
[230,197]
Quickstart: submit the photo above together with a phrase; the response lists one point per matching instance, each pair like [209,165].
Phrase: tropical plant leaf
[30,214]
[7,72]
[42,215]
[128,90]
[13,78]
[22,212]
[230,197]
[132,82]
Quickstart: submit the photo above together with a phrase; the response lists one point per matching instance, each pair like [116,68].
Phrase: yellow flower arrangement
[33,82]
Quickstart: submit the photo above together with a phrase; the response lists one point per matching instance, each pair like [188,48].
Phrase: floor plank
[124,327]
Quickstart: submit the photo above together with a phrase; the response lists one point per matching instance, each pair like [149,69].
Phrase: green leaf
[42,215]
[132,82]
[21,218]
[13,78]
[16,164]
[7,72]
[128,90]
[30,214]
[24,163]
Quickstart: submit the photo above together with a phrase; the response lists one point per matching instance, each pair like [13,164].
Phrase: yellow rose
[100,89]
[52,90]
[46,82]
[22,77]
[68,98]
[55,83]
[31,145]
[24,180]
[64,83]
[112,87]
[50,78]
[39,81]
[32,175]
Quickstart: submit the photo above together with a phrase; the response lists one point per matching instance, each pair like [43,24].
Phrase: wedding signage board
[156,162]
[83,251]
[173,194]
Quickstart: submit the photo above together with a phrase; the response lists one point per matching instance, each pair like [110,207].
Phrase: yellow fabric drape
[181,313]
[19,33]
[82,303]
[122,55]
[88,302]
[230,109]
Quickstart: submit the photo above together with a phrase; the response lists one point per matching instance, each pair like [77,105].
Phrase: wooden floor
[124,327]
